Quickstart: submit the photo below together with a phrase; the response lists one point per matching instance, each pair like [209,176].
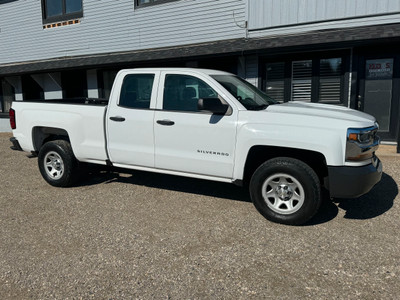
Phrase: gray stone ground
[150,236]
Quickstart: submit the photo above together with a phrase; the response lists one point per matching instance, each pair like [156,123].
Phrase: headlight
[361,143]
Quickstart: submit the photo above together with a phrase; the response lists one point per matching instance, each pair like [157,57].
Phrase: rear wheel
[286,190]
[57,163]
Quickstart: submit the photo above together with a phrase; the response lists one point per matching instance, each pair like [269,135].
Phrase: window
[182,92]
[246,93]
[276,80]
[141,3]
[320,79]
[136,91]
[301,80]
[61,10]
[330,80]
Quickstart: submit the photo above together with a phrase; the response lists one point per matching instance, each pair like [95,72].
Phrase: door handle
[165,122]
[117,119]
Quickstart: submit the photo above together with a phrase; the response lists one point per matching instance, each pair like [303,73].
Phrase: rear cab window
[136,91]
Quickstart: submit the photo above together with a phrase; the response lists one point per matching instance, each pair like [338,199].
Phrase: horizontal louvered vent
[301,80]
[330,80]
[276,80]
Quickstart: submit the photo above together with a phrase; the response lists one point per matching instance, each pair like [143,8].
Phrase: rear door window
[136,91]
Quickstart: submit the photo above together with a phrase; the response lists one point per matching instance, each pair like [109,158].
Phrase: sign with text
[379,69]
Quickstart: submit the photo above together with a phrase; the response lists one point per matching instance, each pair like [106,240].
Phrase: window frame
[63,17]
[151,3]
[316,57]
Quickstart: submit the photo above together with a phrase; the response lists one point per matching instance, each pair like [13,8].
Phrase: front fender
[327,141]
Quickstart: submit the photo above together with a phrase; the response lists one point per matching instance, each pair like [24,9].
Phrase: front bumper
[352,182]
[16,145]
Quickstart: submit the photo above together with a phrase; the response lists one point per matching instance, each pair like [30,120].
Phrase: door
[379,93]
[189,140]
[130,119]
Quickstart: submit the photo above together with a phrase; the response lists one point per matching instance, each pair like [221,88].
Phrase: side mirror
[213,105]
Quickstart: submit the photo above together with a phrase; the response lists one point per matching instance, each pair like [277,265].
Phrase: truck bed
[82,120]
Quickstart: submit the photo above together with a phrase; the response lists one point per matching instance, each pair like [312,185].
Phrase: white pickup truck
[211,125]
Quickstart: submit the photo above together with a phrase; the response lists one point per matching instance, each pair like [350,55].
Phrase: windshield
[247,94]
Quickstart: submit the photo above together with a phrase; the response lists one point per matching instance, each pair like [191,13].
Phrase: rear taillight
[12,119]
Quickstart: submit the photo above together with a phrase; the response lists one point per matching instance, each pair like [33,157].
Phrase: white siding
[274,17]
[115,26]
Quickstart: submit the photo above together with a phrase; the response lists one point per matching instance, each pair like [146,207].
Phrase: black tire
[286,190]
[57,163]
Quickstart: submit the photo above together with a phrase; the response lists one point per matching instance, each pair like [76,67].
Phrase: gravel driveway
[151,236]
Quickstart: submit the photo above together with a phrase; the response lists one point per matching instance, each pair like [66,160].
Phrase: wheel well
[42,135]
[259,154]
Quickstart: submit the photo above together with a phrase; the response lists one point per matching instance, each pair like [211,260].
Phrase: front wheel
[286,190]
[57,163]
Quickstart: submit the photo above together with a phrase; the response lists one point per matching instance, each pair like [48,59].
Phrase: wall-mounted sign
[379,69]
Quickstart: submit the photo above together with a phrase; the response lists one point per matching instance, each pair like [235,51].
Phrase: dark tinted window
[136,91]
[54,8]
[72,6]
[61,10]
[182,92]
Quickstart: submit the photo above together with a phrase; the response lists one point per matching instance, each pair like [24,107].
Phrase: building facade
[340,52]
